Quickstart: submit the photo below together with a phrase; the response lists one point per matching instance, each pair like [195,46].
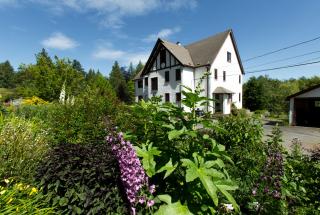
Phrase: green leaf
[147,154]
[175,208]
[169,168]
[165,198]
[175,133]
[63,201]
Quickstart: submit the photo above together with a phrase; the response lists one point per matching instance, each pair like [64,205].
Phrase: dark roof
[205,51]
[303,91]
[197,54]
[222,90]
[180,52]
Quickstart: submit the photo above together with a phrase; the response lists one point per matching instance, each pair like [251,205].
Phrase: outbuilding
[304,107]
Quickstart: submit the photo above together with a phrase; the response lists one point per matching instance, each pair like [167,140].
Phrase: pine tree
[7,75]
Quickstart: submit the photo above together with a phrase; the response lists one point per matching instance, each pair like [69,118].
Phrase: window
[224,75]
[146,81]
[167,97]
[178,75]
[215,74]
[239,97]
[140,83]
[154,83]
[162,56]
[166,74]
[239,79]
[229,57]
[178,97]
[140,98]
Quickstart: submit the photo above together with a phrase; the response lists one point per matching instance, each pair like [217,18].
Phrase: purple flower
[152,188]
[132,174]
[150,203]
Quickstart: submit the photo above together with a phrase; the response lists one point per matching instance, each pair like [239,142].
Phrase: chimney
[178,43]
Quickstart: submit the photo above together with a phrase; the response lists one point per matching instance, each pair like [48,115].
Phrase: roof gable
[197,54]
[303,91]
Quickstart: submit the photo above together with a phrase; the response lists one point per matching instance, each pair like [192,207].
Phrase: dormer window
[229,57]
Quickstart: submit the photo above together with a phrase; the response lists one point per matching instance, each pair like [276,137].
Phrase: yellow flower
[33,191]
[7,181]
[2,192]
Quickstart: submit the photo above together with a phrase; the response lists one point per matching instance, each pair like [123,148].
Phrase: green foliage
[242,137]
[78,123]
[6,94]
[186,159]
[45,78]
[171,208]
[7,75]
[19,198]
[82,179]
[301,184]
[22,146]
[264,93]
[118,83]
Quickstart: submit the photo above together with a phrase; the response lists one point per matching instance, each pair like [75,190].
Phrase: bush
[78,123]
[20,198]
[22,145]
[82,179]
[242,138]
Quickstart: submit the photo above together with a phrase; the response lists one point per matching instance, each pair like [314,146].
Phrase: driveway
[309,137]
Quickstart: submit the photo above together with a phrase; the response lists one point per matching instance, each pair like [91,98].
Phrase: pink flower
[150,203]
[152,188]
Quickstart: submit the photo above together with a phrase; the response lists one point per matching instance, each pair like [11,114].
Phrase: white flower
[228,207]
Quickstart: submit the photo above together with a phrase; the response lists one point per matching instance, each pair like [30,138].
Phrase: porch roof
[222,90]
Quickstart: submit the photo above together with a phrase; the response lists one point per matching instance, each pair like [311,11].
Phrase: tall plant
[186,159]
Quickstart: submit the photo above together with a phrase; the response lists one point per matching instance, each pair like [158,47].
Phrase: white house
[304,107]
[171,65]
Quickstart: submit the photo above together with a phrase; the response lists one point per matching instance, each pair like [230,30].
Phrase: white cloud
[59,41]
[112,12]
[108,54]
[123,57]
[164,33]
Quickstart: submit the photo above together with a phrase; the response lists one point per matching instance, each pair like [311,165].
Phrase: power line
[284,59]
[283,67]
[278,50]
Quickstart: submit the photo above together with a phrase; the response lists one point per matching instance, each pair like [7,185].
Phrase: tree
[118,83]
[7,75]
[45,78]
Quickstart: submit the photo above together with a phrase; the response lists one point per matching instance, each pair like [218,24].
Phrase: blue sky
[98,32]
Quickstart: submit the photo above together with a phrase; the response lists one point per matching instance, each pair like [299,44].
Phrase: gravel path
[309,137]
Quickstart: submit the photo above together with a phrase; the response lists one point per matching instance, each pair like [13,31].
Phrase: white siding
[233,71]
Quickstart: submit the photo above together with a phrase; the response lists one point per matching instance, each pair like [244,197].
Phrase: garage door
[307,112]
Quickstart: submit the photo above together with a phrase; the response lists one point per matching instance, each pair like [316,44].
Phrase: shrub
[78,123]
[242,138]
[22,145]
[19,198]
[82,179]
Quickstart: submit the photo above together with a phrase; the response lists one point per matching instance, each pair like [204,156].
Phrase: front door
[218,102]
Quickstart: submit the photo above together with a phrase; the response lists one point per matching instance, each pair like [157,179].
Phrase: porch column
[291,112]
